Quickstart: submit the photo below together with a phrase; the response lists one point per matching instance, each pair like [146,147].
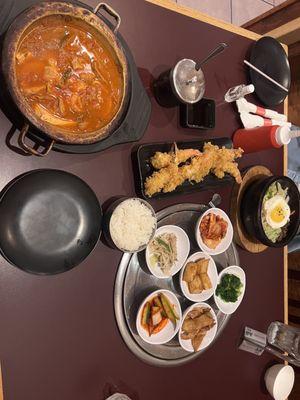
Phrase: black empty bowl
[251,208]
[50,221]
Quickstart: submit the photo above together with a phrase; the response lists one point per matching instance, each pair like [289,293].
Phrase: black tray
[143,168]
[136,118]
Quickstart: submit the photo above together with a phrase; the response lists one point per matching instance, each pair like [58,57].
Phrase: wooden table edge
[285,250]
[1,383]
[189,12]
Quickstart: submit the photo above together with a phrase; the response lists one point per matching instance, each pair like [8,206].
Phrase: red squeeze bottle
[261,138]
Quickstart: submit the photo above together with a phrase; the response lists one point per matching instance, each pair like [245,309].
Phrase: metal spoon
[218,50]
[216,200]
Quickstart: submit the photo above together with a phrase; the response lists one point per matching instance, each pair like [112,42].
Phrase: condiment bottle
[237,92]
[262,138]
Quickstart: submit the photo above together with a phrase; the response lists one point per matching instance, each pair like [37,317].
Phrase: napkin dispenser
[281,340]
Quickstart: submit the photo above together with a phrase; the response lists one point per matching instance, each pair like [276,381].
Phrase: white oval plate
[210,335]
[230,308]
[226,241]
[212,273]
[169,330]
[183,249]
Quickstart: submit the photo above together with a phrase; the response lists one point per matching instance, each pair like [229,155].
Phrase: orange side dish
[68,76]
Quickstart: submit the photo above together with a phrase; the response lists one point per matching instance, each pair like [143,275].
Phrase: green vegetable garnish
[146,314]
[165,244]
[229,288]
[158,303]
[169,310]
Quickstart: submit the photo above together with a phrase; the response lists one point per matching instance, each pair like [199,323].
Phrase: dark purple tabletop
[58,336]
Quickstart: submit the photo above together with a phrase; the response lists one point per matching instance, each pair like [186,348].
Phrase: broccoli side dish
[229,288]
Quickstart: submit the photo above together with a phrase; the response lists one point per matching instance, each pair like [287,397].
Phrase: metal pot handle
[29,149]
[111,12]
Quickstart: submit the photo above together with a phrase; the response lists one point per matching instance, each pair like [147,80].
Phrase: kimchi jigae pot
[66,71]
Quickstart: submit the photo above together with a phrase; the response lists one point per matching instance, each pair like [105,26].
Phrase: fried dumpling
[203,321]
[197,340]
[189,325]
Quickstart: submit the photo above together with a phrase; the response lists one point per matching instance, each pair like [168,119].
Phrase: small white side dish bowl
[183,249]
[279,381]
[225,242]
[212,273]
[230,308]
[210,335]
[170,330]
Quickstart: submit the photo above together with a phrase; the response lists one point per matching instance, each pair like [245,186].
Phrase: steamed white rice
[131,225]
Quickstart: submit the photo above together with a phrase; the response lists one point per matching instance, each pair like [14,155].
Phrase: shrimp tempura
[212,160]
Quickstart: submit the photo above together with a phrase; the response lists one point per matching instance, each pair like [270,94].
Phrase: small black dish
[251,208]
[269,56]
[163,91]
[199,115]
[50,221]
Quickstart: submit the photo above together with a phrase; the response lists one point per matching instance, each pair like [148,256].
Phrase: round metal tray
[134,282]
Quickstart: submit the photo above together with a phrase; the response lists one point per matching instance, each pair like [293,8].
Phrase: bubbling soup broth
[68,75]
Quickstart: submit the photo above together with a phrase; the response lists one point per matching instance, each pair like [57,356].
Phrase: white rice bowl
[132,225]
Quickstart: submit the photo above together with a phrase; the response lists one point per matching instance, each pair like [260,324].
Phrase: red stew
[68,76]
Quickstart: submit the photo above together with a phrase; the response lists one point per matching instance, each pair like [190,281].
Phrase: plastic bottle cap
[250,88]
[283,135]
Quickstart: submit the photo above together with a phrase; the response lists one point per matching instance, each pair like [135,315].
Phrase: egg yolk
[277,214]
